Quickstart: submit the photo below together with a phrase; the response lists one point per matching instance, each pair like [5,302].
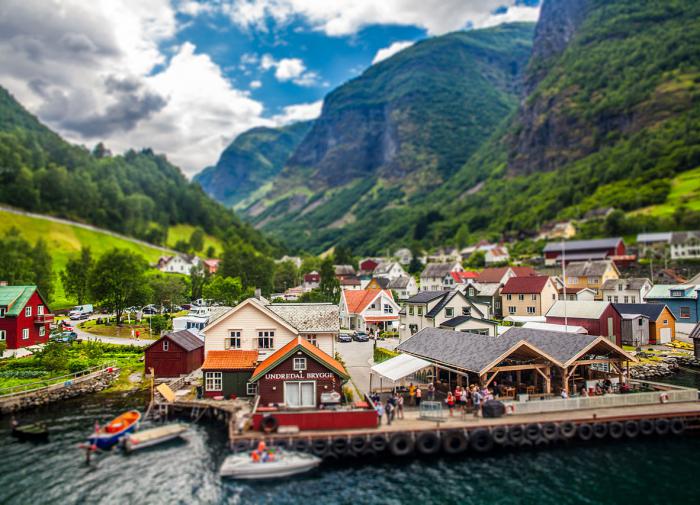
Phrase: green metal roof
[15,298]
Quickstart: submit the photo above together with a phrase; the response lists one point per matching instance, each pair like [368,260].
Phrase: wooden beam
[508,368]
[594,361]
[491,379]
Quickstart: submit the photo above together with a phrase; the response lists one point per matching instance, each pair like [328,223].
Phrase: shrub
[78,365]
[382,354]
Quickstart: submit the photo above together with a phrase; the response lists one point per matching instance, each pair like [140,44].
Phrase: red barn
[174,354]
[24,317]
[599,318]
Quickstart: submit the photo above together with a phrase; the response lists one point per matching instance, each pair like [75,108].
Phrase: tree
[168,289]
[197,240]
[343,255]
[211,252]
[476,260]
[199,276]
[254,269]
[329,286]
[415,265]
[286,276]
[43,271]
[462,236]
[226,291]
[76,276]
[20,263]
[118,280]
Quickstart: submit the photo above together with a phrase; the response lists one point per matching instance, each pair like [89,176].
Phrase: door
[665,335]
[300,394]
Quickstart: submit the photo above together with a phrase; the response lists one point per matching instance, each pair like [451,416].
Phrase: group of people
[469,399]
[393,407]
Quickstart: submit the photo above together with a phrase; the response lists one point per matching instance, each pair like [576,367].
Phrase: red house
[583,250]
[174,354]
[24,317]
[599,318]
[368,265]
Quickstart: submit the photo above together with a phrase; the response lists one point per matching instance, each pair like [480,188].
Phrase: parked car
[64,336]
[150,310]
[80,312]
[361,336]
[344,337]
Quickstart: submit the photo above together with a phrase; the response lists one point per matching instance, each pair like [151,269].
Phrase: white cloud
[289,69]
[255,84]
[512,15]
[298,112]
[345,17]
[390,51]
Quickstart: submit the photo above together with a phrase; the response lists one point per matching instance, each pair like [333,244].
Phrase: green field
[184,231]
[685,191]
[66,240]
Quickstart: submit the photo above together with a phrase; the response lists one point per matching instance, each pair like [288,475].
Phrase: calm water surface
[630,473]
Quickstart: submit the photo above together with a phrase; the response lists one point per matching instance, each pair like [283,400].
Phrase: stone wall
[668,366]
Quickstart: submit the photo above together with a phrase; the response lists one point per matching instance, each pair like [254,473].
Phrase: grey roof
[680,237]
[437,270]
[447,299]
[631,283]
[587,268]
[185,339]
[321,317]
[582,245]
[216,312]
[456,321]
[650,310]
[426,296]
[644,238]
[382,281]
[399,282]
[344,270]
[384,267]
[579,309]
[488,288]
[562,346]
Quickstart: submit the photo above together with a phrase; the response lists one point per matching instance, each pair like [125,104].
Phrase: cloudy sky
[185,77]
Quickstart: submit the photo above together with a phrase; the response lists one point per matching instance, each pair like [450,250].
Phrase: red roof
[230,360]
[488,275]
[462,276]
[524,272]
[358,299]
[290,348]
[524,285]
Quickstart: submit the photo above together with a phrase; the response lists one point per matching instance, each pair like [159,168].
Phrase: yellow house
[591,275]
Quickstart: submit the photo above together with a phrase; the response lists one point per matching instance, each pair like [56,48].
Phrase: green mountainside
[391,136]
[139,194]
[251,161]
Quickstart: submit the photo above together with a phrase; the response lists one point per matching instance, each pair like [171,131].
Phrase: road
[84,335]
[357,357]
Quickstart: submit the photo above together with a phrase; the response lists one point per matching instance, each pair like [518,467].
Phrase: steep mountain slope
[392,135]
[250,161]
[138,194]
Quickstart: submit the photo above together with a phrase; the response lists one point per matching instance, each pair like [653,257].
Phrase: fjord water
[662,470]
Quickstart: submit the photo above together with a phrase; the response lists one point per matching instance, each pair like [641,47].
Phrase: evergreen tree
[197,240]
[76,276]
[286,276]
[329,286]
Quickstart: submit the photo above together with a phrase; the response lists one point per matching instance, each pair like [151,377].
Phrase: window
[39,310]
[300,394]
[420,310]
[509,297]
[531,310]
[28,312]
[466,311]
[592,281]
[626,299]
[42,331]
[676,292]
[299,364]
[413,328]
[266,339]
[166,345]
[480,331]
[234,340]
[619,287]
[25,334]
[449,312]
[251,388]
[573,280]
[610,298]
[497,304]
[410,310]
[212,381]
[616,299]
[388,309]
[534,297]
[521,297]
[684,312]
[634,300]
[641,322]
[511,310]
[471,291]
[665,321]
[2,311]
[3,335]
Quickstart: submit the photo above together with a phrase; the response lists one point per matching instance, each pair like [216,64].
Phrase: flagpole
[563,274]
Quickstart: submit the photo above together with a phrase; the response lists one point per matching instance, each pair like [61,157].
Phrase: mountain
[251,161]
[139,194]
[394,134]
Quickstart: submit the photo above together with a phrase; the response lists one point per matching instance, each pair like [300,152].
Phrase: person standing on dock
[411,394]
[450,401]
[476,397]
[399,406]
[389,409]
[431,392]
[380,412]
[419,396]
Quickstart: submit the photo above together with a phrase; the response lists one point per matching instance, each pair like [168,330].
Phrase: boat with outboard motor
[106,437]
[266,463]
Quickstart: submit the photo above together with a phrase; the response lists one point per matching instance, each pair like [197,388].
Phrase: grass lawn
[184,231]
[112,330]
[65,240]
[685,190]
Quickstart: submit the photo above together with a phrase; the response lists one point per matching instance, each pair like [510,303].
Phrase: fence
[61,380]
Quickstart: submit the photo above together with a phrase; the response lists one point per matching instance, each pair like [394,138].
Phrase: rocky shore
[668,366]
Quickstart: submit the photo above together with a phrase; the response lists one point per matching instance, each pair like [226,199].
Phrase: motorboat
[270,465]
[106,437]
[153,436]
[34,431]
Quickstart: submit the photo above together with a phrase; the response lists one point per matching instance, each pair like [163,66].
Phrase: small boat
[153,436]
[281,464]
[35,431]
[107,436]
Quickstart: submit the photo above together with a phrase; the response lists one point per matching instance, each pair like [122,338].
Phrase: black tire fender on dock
[662,426]
[281,444]
[241,446]
[567,430]
[378,443]
[499,434]
[646,427]
[616,430]
[631,429]
[600,430]
[401,444]
[358,444]
[585,432]
[428,443]
[532,432]
[455,442]
[269,424]
[516,434]
[480,440]
[319,447]
[550,432]
[677,426]
[340,446]
[301,445]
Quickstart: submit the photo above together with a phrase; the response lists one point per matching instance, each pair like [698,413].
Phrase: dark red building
[599,318]
[584,250]
[24,317]
[174,354]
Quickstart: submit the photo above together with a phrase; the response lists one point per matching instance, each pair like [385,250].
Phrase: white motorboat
[279,464]
[153,436]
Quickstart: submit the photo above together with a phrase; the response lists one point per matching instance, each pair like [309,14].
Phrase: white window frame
[3,335]
[27,312]
[531,310]
[42,330]
[289,384]
[299,364]
[251,388]
[420,311]
[687,314]
[509,297]
[166,345]
[312,339]
[234,336]
[410,310]
[39,310]
[533,297]
[512,309]
[213,381]
[521,297]
[25,333]
[449,312]
[267,336]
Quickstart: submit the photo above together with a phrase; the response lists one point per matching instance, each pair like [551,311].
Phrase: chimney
[258,293]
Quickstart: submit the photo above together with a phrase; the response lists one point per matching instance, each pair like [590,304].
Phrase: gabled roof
[188,341]
[426,296]
[309,317]
[680,237]
[580,309]
[234,359]
[385,267]
[401,282]
[643,238]
[635,283]
[461,277]
[695,332]
[449,295]
[437,270]
[525,285]
[344,270]
[662,291]
[382,282]
[679,279]
[456,321]
[583,245]
[14,298]
[299,344]
[357,300]
[492,275]
[589,268]
[258,304]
